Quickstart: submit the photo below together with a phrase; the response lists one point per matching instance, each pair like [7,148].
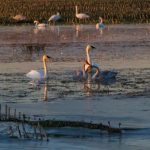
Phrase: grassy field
[113,11]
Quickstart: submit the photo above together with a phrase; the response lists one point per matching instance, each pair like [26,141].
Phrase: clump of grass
[113,11]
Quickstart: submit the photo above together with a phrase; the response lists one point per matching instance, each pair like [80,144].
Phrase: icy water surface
[123,48]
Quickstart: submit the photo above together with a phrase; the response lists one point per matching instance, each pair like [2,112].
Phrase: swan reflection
[46,91]
[91,86]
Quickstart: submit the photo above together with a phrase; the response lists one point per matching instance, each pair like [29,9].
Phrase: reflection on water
[120,47]
[124,48]
[45,91]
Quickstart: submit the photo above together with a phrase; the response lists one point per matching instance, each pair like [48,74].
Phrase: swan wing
[102,26]
[35,74]
[57,17]
[54,18]
[95,65]
[42,25]
[107,74]
[82,16]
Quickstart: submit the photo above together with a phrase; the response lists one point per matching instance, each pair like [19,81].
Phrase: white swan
[39,25]
[55,17]
[39,74]
[81,15]
[19,18]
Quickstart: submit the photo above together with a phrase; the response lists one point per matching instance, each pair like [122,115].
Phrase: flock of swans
[89,70]
[81,16]
[89,74]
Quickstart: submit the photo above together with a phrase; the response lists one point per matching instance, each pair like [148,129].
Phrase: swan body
[104,76]
[108,74]
[19,18]
[100,25]
[39,25]
[39,74]
[81,15]
[55,17]
[36,74]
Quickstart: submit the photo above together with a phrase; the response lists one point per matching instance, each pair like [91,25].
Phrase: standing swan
[89,68]
[39,74]
[100,25]
[88,62]
[81,15]
[55,18]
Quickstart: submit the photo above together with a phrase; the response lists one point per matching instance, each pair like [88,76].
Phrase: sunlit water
[124,48]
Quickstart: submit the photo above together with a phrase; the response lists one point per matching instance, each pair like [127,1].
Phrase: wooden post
[36,135]
[24,117]
[24,130]
[6,112]
[40,130]
[0,112]
[19,115]
[19,131]
[15,114]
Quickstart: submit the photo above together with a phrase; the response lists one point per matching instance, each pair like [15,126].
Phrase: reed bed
[113,11]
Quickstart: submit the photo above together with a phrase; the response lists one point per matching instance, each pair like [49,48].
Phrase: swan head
[36,22]
[46,57]
[89,47]
[58,13]
[101,19]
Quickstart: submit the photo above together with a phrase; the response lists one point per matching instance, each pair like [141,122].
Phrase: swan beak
[50,58]
[93,47]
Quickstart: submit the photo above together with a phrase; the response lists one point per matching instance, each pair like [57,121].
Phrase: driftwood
[41,124]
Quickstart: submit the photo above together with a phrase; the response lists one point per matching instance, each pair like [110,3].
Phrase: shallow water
[124,48]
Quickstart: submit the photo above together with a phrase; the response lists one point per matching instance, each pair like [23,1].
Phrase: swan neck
[76,10]
[88,56]
[101,21]
[45,92]
[95,74]
[36,23]
[45,68]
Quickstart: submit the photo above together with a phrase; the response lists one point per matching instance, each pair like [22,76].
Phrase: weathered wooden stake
[24,130]
[40,130]
[0,112]
[15,114]
[36,135]
[19,115]
[19,131]
[6,112]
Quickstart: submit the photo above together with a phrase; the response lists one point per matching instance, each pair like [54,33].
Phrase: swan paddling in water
[93,69]
[40,25]
[38,75]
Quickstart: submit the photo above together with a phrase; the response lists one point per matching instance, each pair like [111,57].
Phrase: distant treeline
[113,11]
